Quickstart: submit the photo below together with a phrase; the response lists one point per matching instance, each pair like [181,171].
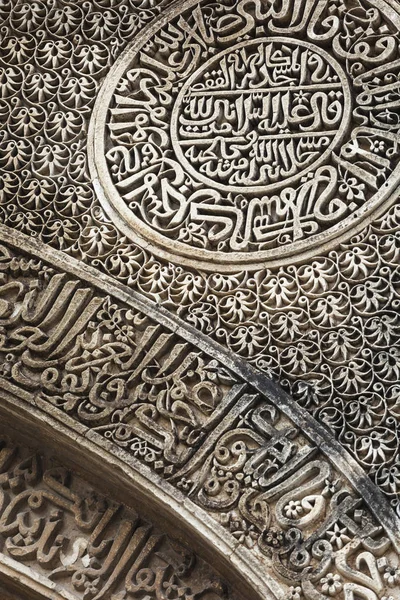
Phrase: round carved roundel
[235,134]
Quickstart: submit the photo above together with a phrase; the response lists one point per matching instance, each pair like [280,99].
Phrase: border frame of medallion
[197,258]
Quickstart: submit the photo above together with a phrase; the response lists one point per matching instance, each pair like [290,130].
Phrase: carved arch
[243,456]
[115,384]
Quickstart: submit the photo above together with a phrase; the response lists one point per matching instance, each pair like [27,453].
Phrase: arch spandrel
[200,317]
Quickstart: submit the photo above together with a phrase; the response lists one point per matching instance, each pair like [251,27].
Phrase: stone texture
[80,544]
[268,482]
[200,200]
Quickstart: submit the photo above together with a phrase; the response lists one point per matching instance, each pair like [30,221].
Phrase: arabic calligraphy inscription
[242,135]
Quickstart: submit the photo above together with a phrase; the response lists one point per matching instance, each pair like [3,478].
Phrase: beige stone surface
[199,292]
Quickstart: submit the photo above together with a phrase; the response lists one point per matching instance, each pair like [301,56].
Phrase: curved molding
[311,428]
[252,410]
[167,248]
[45,486]
[18,578]
[127,481]
[134,399]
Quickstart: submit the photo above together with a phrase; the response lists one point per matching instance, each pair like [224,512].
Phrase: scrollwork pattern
[327,329]
[140,387]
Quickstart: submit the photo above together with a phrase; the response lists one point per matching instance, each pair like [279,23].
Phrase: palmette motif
[327,329]
[237,144]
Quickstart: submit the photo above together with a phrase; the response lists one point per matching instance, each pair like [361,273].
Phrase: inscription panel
[245,135]
[260,115]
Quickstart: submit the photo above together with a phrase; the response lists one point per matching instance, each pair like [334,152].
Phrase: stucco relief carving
[298,324]
[87,545]
[234,145]
[184,415]
[327,329]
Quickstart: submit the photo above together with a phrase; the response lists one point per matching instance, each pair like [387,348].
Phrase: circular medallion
[238,136]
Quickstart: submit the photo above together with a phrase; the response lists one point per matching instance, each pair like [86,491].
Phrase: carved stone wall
[199,228]
[217,437]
